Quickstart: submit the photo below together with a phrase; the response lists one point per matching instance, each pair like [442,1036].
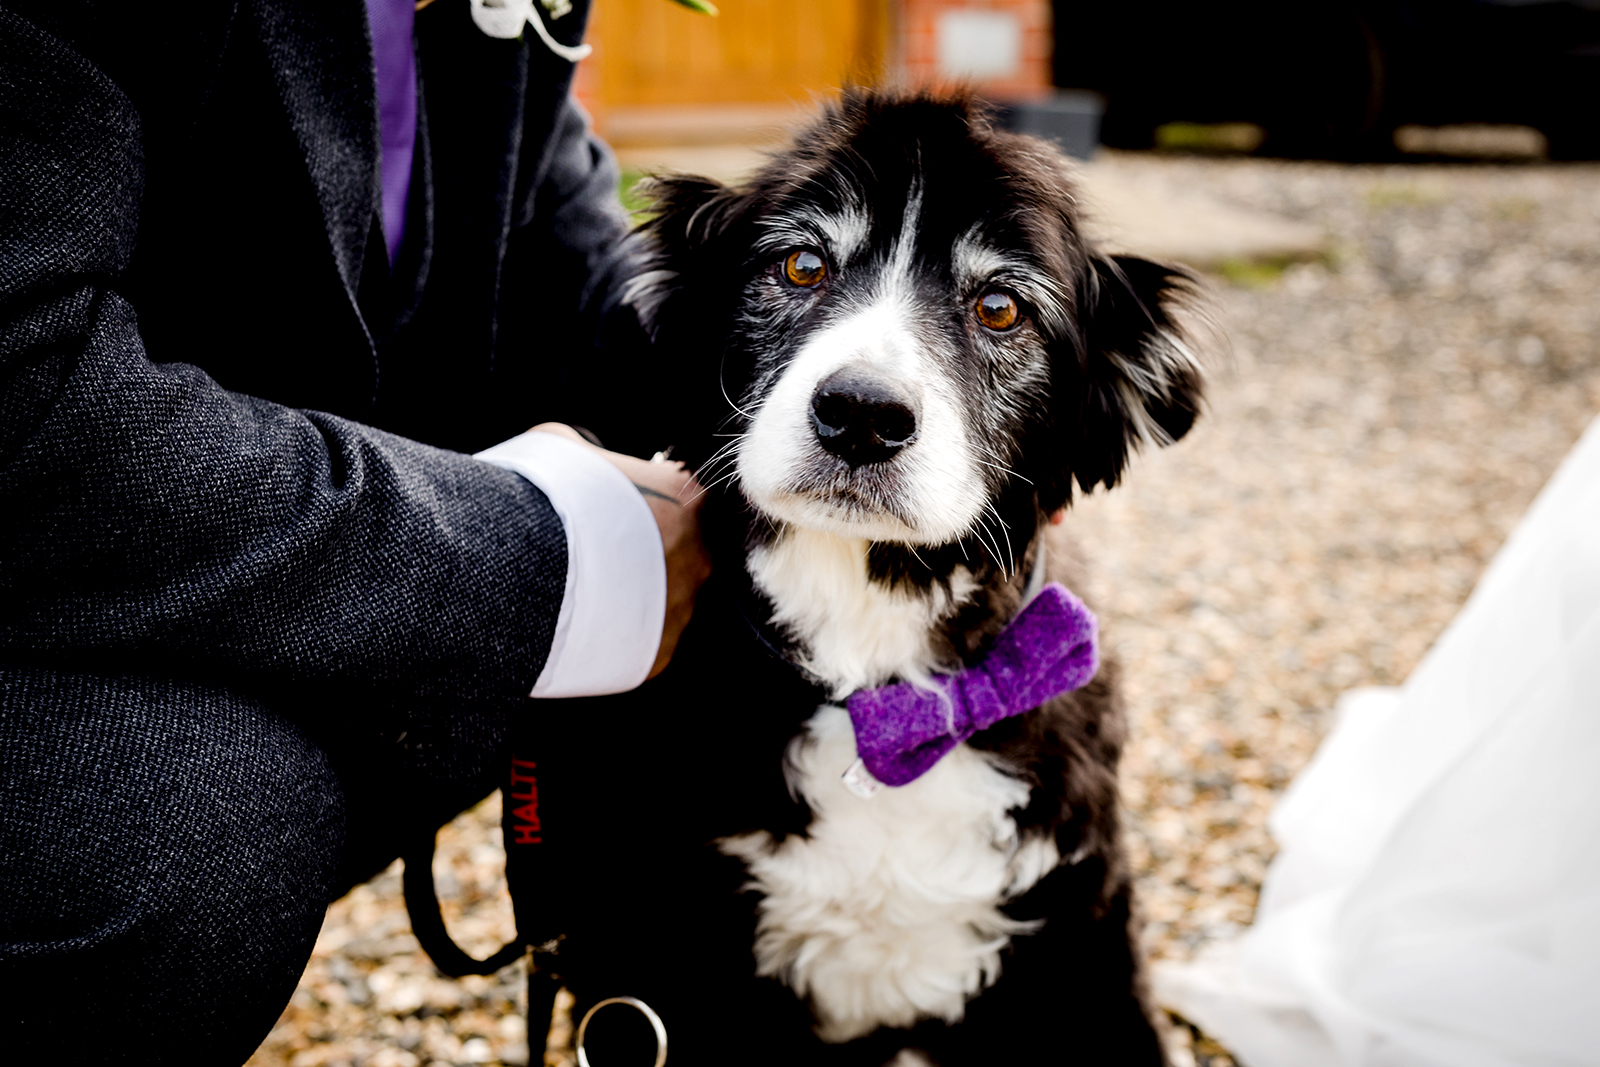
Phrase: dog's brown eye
[998,310]
[805,269]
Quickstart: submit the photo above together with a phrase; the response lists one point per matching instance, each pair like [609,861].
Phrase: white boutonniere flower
[505,19]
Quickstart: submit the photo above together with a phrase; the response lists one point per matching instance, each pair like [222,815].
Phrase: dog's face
[908,331]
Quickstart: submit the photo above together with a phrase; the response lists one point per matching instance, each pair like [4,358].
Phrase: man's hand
[675,499]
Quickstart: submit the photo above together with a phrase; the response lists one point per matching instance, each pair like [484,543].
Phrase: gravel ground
[1385,415]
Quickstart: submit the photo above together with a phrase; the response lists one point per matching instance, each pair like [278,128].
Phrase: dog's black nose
[862,419]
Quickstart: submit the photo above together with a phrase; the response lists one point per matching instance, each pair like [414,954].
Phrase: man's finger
[561,429]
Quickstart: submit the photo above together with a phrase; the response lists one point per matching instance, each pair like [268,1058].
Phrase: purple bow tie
[902,730]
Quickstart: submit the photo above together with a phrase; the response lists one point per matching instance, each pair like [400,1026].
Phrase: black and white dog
[901,353]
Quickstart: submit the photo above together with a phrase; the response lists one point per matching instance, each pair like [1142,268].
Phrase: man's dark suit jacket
[199,330]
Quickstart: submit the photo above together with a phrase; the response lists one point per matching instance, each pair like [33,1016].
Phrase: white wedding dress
[1436,902]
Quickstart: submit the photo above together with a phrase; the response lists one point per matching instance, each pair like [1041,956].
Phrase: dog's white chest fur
[854,632]
[888,910]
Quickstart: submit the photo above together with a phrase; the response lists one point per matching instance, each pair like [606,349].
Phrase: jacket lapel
[321,56]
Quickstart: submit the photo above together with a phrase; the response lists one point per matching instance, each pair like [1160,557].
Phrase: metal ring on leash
[644,1009]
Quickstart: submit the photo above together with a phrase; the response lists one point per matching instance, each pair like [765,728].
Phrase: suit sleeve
[570,244]
[155,522]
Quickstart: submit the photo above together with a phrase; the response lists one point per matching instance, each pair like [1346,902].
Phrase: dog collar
[903,729]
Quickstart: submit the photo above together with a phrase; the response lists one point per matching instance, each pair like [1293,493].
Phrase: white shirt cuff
[609,629]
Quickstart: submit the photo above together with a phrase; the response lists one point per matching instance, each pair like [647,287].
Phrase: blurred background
[1340,79]
[1401,242]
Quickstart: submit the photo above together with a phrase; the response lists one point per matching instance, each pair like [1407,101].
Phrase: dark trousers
[167,852]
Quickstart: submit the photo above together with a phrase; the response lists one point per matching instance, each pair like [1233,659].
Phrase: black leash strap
[538,848]
[428,924]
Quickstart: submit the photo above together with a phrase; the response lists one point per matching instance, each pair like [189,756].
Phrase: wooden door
[656,53]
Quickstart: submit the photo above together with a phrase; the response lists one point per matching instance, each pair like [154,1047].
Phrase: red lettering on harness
[528,813]
[525,825]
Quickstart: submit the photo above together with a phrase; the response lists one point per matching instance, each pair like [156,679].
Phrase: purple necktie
[396,63]
[902,730]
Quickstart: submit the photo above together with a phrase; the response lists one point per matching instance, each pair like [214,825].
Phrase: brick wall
[1002,47]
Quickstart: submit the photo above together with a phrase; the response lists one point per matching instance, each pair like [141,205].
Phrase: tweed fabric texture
[235,584]
[169,849]
[159,522]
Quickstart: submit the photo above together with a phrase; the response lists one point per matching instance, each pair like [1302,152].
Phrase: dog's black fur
[699,754]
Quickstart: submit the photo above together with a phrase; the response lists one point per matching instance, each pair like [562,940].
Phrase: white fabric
[609,629]
[1436,902]
[505,18]
[502,18]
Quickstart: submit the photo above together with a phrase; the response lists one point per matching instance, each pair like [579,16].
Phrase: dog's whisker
[1007,528]
[713,483]
[729,474]
[727,454]
[724,387]
[1003,469]
[706,487]
[981,531]
[727,450]
[721,455]
[1005,536]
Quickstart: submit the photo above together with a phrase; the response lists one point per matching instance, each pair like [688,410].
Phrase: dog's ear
[690,254]
[687,214]
[1138,380]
